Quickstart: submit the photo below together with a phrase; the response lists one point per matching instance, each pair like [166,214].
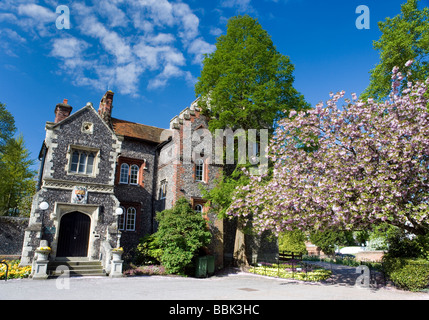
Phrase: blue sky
[149,52]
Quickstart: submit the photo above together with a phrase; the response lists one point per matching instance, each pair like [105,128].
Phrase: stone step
[76,267]
[75,264]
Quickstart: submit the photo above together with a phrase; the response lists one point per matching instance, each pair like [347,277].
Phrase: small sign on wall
[79,195]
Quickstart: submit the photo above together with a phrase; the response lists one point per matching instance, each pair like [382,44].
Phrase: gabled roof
[53,125]
[138,131]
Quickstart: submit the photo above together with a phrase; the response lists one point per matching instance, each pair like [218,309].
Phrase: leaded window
[82,162]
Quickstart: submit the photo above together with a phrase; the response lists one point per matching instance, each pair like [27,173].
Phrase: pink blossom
[409,63]
[370,166]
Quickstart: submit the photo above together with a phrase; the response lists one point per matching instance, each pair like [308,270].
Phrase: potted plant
[117,253]
[43,253]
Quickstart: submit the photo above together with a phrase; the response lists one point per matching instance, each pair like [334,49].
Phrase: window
[199,208]
[130,171]
[134,174]
[121,220]
[131,219]
[82,162]
[163,190]
[124,173]
[127,221]
[199,170]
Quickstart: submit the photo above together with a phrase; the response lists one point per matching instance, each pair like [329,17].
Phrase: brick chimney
[62,111]
[105,109]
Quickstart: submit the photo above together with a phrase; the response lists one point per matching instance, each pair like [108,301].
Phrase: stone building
[92,164]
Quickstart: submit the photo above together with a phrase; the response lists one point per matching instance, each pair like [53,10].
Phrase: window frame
[199,167]
[124,173]
[163,189]
[131,216]
[122,219]
[86,158]
[135,175]
[133,169]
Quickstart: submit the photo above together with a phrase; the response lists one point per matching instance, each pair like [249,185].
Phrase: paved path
[344,275]
[231,286]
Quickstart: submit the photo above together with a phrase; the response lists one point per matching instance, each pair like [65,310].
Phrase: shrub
[283,272]
[408,274]
[181,234]
[148,251]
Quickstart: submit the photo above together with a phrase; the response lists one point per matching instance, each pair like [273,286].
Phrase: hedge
[408,274]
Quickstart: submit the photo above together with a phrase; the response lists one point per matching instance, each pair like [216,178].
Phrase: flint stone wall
[12,231]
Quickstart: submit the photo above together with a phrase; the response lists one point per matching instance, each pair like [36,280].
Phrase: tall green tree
[245,84]
[17,178]
[17,183]
[7,126]
[404,37]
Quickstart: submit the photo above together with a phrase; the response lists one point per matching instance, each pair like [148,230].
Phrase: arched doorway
[74,235]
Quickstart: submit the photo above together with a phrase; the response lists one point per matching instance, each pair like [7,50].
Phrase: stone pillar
[116,264]
[40,265]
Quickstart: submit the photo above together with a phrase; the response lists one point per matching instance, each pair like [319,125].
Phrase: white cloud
[8,17]
[32,18]
[115,44]
[110,40]
[37,12]
[68,47]
[240,5]
[216,31]
[9,39]
[161,38]
[199,47]
[127,78]
[159,11]
[170,71]
[189,21]
[114,15]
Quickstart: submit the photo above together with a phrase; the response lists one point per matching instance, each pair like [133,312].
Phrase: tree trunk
[240,259]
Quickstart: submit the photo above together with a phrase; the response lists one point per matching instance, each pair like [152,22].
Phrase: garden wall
[12,235]
[374,256]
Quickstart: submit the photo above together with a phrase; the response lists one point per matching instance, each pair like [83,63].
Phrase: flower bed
[286,272]
[15,271]
[146,270]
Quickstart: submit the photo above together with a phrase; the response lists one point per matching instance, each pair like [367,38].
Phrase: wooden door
[74,235]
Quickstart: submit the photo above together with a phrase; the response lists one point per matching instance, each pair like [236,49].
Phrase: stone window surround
[87,127]
[71,148]
[163,189]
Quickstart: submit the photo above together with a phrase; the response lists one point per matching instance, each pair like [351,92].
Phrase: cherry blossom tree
[348,167]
